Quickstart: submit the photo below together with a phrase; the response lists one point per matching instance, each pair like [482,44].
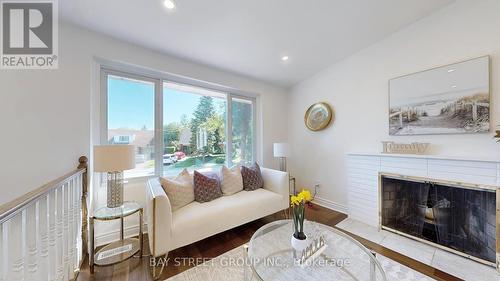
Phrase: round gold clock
[318,116]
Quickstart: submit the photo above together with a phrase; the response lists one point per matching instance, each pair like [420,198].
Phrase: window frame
[158,81]
[229,131]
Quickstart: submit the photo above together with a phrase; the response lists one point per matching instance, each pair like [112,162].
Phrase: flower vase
[299,244]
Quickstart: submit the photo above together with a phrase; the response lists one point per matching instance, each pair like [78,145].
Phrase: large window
[242,131]
[130,115]
[191,127]
[194,128]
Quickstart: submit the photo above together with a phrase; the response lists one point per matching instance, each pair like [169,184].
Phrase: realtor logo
[29,35]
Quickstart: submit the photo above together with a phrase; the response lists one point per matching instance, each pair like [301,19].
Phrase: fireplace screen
[461,219]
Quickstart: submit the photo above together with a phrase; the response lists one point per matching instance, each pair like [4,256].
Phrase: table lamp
[281,151]
[113,160]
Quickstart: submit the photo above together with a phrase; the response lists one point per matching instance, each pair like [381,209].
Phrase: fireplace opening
[456,217]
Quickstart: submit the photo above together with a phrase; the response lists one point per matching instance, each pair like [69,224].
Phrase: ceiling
[250,37]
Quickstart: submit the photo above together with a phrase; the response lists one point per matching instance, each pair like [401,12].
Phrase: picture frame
[318,116]
[450,99]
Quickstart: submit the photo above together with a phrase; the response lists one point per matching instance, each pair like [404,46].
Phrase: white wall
[357,88]
[47,120]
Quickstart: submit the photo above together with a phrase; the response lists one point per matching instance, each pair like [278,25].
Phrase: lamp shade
[281,149]
[114,158]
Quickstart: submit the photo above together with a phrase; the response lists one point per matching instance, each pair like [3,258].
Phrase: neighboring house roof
[185,136]
[139,138]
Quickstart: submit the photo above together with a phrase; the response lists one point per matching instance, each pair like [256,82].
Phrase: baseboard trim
[114,235]
[330,205]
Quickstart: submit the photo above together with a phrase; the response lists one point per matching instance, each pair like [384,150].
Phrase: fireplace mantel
[485,158]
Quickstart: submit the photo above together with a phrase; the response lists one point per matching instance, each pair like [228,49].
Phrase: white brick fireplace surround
[363,180]
[363,170]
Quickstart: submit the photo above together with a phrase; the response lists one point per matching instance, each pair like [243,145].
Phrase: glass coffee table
[271,257]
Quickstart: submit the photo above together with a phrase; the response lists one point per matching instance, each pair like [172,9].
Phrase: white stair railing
[43,233]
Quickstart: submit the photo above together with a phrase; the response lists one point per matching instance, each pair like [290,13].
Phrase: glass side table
[123,249]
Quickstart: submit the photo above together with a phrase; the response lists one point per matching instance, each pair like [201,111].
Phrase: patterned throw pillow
[252,178]
[179,190]
[206,187]
[232,182]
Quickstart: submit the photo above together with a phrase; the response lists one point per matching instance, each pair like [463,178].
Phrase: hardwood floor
[136,269]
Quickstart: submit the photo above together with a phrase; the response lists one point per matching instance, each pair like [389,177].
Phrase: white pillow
[232,181]
[180,190]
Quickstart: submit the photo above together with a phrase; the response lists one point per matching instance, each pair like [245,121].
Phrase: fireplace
[458,217]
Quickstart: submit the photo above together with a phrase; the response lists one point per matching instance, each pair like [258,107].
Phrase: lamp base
[282,164]
[115,189]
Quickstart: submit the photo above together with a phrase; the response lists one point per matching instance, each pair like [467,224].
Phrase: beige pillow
[232,181]
[180,190]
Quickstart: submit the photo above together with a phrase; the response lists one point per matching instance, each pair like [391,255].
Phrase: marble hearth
[455,265]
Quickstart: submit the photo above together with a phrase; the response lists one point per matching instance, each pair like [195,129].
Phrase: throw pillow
[206,188]
[179,190]
[252,178]
[232,182]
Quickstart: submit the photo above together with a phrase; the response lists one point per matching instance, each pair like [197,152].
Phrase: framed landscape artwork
[452,99]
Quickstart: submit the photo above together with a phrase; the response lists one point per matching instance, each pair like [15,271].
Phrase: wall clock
[318,116]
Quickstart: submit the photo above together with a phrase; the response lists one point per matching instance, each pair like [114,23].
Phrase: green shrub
[169,149]
[220,160]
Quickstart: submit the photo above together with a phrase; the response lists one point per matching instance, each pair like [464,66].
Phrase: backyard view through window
[194,133]
[194,128]
[242,131]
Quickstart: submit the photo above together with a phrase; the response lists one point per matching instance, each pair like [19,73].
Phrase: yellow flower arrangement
[302,197]
[298,202]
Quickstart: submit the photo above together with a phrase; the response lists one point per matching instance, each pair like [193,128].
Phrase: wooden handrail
[15,206]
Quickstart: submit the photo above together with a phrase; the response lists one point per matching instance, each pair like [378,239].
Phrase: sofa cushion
[179,190]
[197,221]
[206,187]
[252,178]
[232,181]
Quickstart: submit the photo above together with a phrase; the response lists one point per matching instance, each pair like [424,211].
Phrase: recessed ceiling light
[284,58]
[170,4]
[451,70]
[453,86]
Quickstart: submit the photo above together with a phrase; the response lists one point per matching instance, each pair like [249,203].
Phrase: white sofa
[169,230]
